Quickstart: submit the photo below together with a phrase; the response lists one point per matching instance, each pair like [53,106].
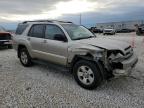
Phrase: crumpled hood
[109,44]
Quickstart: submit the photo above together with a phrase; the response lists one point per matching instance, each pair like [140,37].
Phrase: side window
[52,30]
[37,31]
[21,28]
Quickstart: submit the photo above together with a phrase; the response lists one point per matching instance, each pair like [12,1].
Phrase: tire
[25,58]
[88,78]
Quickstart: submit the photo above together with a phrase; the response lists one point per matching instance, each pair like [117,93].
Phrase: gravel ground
[47,86]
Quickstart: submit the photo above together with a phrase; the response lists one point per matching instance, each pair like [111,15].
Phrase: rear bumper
[128,65]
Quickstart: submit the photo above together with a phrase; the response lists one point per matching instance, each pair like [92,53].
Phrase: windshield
[77,32]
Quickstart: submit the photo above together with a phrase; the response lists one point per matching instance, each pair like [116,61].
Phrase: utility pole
[80,18]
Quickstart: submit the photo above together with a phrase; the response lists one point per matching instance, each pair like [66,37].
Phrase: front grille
[5,37]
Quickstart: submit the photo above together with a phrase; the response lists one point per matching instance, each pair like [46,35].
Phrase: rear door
[36,36]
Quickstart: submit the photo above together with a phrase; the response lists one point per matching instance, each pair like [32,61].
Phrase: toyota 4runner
[90,59]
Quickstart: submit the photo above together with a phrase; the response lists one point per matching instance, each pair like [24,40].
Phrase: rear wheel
[25,58]
[86,74]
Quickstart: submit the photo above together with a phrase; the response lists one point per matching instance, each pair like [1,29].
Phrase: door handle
[28,39]
[45,41]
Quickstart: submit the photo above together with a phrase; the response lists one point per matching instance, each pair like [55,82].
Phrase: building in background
[120,25]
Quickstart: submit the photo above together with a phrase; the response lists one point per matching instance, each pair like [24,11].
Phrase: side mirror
[60,37]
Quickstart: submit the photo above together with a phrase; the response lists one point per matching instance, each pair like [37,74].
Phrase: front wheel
[86,74]
[25,58]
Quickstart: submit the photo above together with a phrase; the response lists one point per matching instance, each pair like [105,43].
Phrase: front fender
[73,53]
[81,51]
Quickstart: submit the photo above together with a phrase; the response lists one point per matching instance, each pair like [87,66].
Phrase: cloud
[20,10]
[92,10]
[25,6]
[16,9]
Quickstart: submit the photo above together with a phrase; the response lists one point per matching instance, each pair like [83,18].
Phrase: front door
[55,51]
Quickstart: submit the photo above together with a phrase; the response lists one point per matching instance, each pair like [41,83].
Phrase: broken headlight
[115,56]
[98,54]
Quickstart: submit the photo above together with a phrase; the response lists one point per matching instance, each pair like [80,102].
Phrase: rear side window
[21,28]
[37,31]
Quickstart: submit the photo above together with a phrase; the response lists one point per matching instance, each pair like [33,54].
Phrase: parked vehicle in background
[109,31]
[90,59]
[95,30]
[140,30]
[125,30]
[5,38]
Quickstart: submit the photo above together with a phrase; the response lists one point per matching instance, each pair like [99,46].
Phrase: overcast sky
[92,11]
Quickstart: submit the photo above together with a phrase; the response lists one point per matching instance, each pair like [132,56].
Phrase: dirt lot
[48,86]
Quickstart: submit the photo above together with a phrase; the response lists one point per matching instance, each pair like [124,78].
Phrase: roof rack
[38,21]
[48,21]
[63,21]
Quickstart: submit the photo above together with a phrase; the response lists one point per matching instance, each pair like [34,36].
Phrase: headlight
[98,54]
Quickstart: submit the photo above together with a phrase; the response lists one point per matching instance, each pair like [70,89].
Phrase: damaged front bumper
[127,66]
